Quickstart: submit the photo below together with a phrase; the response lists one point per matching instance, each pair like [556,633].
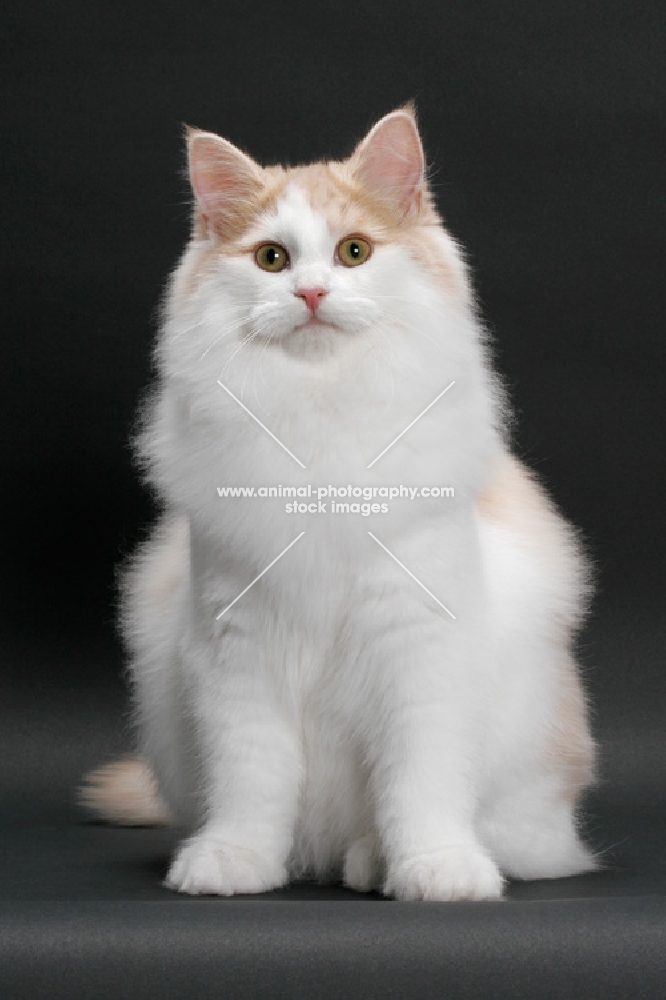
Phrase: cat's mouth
[313,323]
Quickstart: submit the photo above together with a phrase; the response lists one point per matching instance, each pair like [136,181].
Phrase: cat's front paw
[457,872]
[207,865]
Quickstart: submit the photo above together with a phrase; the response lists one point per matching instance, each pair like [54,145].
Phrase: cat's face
[309,257]
[306,271]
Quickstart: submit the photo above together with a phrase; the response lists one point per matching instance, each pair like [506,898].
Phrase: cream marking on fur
[261,425]
[410,425]
[217,617]
[409,573]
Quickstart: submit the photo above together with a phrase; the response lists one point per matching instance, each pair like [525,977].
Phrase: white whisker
[221,334]
[246,340]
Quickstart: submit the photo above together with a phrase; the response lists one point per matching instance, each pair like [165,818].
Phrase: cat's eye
[353,250]
[271,257]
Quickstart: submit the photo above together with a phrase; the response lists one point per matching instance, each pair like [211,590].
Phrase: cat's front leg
[424,812]
[250,766]
[424,755]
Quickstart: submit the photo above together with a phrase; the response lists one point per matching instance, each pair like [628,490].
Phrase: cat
[387,697]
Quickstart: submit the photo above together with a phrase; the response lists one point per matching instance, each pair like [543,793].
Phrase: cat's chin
[315,339]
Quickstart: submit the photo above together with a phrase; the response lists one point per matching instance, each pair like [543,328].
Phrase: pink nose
[312,297]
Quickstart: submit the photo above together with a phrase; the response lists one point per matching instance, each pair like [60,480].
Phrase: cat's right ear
[224,180]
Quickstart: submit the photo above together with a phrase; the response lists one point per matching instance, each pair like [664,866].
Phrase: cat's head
[316,254]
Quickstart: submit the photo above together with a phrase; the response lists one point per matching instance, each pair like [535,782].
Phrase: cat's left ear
[390,163]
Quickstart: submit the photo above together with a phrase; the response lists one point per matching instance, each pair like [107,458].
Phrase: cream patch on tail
[124,793]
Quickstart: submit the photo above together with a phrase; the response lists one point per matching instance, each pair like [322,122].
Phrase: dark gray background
[545,127]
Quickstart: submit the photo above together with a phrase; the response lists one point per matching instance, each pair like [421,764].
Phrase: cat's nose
[312,297]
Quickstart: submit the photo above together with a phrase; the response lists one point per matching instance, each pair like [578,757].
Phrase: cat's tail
[124,793]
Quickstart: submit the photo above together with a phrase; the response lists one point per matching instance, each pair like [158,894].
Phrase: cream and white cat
[394,701]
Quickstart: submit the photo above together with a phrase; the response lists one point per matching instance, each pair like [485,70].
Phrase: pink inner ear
[222,177]
[391,161]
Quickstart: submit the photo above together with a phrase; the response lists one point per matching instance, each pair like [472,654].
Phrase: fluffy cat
[394,701]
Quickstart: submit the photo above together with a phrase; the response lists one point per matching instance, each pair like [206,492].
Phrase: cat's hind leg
[539,753]
[528,822]
[532,834]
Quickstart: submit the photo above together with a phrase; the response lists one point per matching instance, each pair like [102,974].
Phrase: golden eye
[271,257]
[353,250]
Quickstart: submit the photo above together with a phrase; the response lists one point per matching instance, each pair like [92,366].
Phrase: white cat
[394,700]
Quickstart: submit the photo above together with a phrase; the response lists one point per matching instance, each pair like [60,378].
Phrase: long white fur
[335,721]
